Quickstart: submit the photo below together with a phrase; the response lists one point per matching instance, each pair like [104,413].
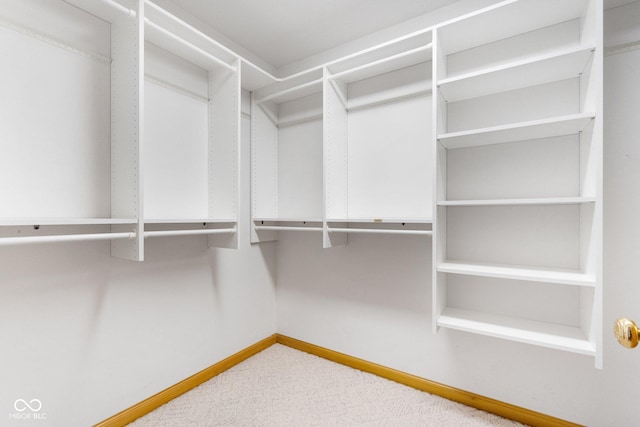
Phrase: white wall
[90,335]
[372,298]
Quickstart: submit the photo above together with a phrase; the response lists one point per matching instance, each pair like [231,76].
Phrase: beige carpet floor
[285,387]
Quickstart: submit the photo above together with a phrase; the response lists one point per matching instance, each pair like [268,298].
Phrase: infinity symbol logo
[21,405]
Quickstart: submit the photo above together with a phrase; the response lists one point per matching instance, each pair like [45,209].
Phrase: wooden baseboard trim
[477,401]
[136,411]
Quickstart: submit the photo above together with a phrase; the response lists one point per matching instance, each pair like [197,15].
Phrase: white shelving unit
[377,142]
[94,180]
[286,126]
[192,134]
[518,174]
[84,95]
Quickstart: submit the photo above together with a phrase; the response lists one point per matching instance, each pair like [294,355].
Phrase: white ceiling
[282,32]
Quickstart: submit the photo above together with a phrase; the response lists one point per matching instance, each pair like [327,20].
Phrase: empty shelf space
[310,219]
[549,68]
[520,202]
[536,274]
[381,231]
[561,337]
[523,131]
[16,222]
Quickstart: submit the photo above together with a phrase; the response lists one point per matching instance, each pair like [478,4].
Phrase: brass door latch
[626,332]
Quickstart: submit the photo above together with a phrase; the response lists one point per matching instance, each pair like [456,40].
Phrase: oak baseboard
[140,409]
[477,401]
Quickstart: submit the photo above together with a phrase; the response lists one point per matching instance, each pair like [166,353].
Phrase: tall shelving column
[192,126]
[127,128]
[286,148]
[71,160]
[517,248]
[377,141]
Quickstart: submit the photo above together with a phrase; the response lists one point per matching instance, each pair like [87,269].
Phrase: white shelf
[188,220]
[391,63]
[549,68]
[561,337]
[16,222]
[535,274]
[520,202]
[535,129]
[505,20]
[291,93]
[287,219]
[382,220]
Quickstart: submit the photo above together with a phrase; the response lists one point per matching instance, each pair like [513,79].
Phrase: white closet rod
[277,228]
[294,75]
[119,7]
[189,45]
[380,61]
[13,241]
[381,231]
[287,91]
[163,233]
[113,4]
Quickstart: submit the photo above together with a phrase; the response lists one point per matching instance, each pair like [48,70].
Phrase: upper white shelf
[108,10]
[391,63]
[566,64]
[535,274]
[293,92]
[506,19]
[520,202]
[551,335]
[523,131]
[16,222]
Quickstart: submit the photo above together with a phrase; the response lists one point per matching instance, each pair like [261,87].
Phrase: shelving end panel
[264,170]
[224,149]
[127,128]
[335,159]
[329,240]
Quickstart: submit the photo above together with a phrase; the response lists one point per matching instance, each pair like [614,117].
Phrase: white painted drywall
[90,335]
[372,298]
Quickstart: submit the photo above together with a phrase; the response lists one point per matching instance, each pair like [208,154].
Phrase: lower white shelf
[18,222]
[535,274]
[561,337]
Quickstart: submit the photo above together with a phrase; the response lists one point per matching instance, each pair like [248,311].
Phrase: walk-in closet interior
[448,193]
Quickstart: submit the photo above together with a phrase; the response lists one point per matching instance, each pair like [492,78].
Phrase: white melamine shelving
[571,124]
[71,136]
[560,337]
[547,275]
[287,158]
[520,202]
[377,110]
[518,173]
[82,167]
[192,133]
[552,67]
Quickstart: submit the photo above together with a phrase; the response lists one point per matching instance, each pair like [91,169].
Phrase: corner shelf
[560,337]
